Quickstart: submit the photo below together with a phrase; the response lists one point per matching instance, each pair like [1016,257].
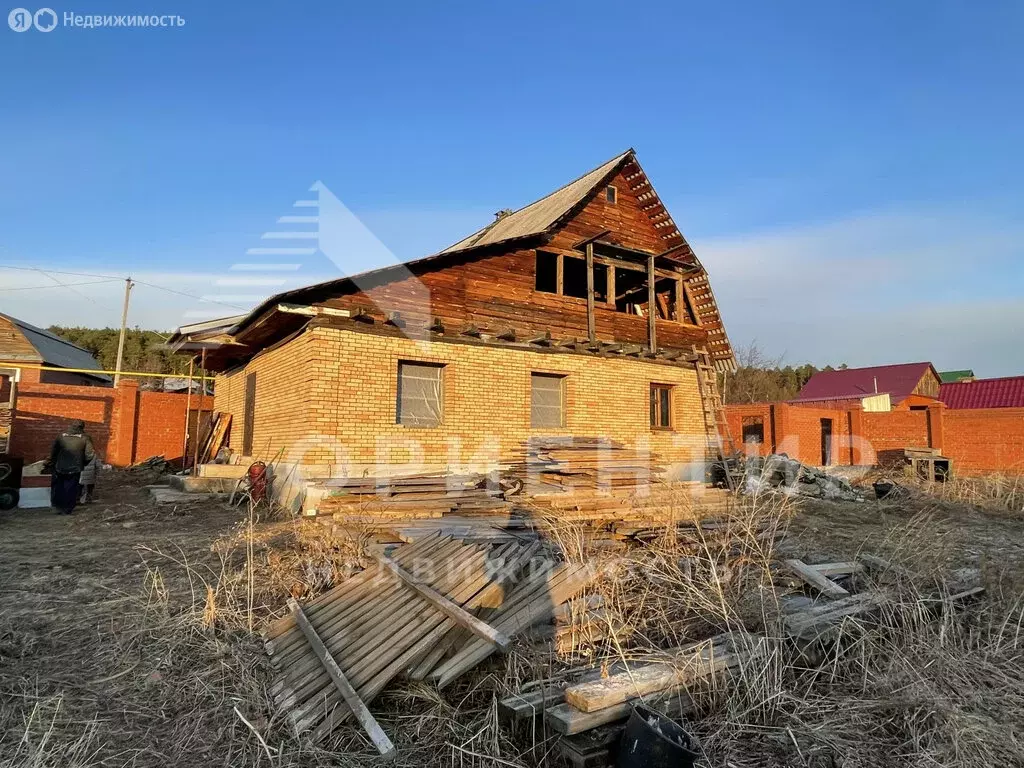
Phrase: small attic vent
[610,194]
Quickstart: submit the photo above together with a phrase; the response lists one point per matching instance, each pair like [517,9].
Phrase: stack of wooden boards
[410,507]
[568,463]
[590,712]
[613,491]
[434,611]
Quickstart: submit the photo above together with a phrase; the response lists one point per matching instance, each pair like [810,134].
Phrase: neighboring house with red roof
[877,388]
[1005,392]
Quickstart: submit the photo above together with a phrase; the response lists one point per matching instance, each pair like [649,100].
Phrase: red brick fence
[980,441]
[126,425]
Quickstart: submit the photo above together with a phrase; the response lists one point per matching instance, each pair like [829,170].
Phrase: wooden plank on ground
[689,664]
[452,610]
[359,709]
[809,575]
[831,570]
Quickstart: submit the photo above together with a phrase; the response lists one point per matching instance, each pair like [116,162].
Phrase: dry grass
[158,665]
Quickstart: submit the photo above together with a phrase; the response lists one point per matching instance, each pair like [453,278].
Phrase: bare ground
[124,641]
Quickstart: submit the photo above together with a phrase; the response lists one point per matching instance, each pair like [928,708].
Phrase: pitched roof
[896,380]
[1005,392]
[55,351]
[539,216]
[947,376]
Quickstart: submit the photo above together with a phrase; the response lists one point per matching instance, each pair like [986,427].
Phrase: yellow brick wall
[282,398]
[330,397]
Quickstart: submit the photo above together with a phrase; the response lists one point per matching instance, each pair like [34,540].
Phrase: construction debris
[436,609]
[155,464]
[779,471]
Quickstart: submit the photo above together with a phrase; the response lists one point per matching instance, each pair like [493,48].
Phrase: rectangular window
[661,406]
[547,272]
[610,194]
[600,283]
[574,277]
[547,400]
[420,394]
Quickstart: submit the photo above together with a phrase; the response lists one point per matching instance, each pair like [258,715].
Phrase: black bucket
[652,740]
[883,488]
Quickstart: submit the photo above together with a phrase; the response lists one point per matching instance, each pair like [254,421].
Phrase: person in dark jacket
[68,457]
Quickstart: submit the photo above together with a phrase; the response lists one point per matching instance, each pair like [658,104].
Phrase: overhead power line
[50,272]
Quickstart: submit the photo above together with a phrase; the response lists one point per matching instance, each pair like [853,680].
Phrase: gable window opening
[627,294]
[547,400]
[574,277]
[611,194]
[661,406]
[420,394]
[547,272]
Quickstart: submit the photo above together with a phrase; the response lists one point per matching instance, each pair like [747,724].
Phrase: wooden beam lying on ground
[689,663]
[452,610]
[812,577]
[359,709]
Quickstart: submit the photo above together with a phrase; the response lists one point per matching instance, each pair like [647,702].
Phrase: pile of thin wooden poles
[415,613]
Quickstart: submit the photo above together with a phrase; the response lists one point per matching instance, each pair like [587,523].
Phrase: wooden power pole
[124,329]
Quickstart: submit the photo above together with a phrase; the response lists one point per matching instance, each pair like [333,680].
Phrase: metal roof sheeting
[537,217]
[55,351]
[897,380]
[1006,392]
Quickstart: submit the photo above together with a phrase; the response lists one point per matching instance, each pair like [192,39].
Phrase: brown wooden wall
[496,292]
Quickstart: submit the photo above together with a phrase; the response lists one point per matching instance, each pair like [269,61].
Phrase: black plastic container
[652,740]
[10,480]
[883,488]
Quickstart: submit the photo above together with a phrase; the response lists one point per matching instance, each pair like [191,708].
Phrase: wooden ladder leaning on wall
[720,444]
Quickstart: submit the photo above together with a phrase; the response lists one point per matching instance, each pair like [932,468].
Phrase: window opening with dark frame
[661,406]
[547,272]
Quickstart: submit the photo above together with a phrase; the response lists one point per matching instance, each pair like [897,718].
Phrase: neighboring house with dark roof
[23,344]
[1005,392]
[877,388]
[947,377]
[577,314]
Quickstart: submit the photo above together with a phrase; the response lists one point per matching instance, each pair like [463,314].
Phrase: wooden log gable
[493,288]
[496,291]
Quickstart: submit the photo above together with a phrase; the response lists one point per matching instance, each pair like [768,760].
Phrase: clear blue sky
[851,173]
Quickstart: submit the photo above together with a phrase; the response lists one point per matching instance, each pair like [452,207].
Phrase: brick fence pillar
[121,452]
[783,441]
[936,426]
[856,437]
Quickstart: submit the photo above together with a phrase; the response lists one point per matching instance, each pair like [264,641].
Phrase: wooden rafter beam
[587,240]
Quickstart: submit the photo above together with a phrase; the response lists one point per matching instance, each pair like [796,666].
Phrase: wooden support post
[199,412]
[682,315]
[559,274]
[610,298]
[452,610]
[591,325]
[692,305]
[652,309]
[359,709]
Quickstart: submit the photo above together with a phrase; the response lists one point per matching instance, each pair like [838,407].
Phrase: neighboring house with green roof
[950,377]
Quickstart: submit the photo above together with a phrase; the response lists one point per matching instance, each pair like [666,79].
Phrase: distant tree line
[144,351]
[759,378]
